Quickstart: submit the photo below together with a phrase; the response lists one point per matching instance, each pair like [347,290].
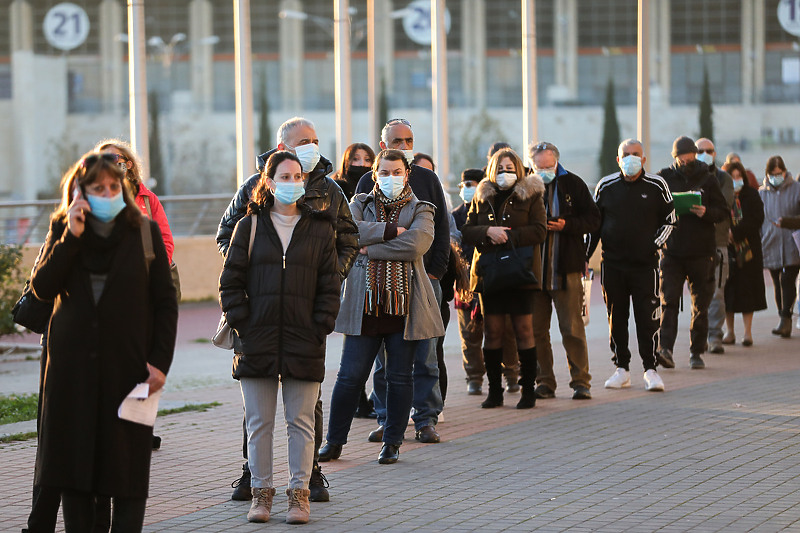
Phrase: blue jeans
[427,394]
[358,355]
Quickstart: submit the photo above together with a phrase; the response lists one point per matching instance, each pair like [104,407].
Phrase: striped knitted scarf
[387,281]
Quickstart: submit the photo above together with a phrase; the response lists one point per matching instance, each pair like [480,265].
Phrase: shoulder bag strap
[147,243]
[147,206]
[253,222]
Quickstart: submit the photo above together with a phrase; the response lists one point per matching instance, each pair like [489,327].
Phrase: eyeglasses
[393,121]
[709,151]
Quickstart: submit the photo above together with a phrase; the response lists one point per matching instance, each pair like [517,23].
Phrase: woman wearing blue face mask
[781,196]
[279,290]
[387,298]
[113,326]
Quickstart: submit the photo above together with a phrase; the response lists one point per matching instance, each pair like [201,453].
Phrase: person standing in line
[636,218]
[387,299]
[279,290]
[507,211]
[780,194]
[716,309]
[571,214]
[299,136]
[356,161]
[113,326]
[470,319]
[689,252]
[744,292]
[398,135]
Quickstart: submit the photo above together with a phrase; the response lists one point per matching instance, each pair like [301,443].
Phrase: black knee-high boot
[493,360]
[527,367]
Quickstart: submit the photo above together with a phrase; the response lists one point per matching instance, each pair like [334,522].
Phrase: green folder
[683,201]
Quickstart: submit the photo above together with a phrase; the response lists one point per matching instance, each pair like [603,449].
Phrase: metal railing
[188,215]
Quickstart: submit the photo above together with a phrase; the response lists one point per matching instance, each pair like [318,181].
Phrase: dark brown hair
[261,192]
[419,156]
[774,161]
[736,165]
[389,155]
[86,171]
[134,174]
[349,153]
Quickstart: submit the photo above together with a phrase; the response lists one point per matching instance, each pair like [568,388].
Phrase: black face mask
[691,167]
[355,172]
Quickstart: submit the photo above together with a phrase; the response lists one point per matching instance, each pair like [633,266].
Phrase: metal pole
[372,81]
[137,84]
[530,131]
[243,59]
[441,141]
[643,78]
[341,60]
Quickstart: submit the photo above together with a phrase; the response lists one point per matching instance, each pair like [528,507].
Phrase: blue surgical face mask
[288,192]
[308,154]
[630,165]
[467,194]
[547,175]
[708,159]
[776,180]
[737,185]
[391,186]
[106,209]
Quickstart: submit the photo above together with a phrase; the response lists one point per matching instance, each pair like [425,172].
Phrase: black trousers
[783,279]
[700,273]
[620,286]
[79,513]
[445,311]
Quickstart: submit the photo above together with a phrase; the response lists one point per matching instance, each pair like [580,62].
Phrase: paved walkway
[719,450]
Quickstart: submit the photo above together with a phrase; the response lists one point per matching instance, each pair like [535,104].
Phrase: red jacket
[158,215]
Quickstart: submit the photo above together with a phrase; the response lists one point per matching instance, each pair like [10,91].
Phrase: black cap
[472,174]
[683,145]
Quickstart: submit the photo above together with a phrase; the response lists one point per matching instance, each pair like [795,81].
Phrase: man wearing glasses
[425,184]
[299,136]
[716,310]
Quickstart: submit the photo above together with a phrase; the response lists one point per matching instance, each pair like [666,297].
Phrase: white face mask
[708,159]
[409,155]
[467,194]
[308,154]
[630,165]
[391,186]
[506,180]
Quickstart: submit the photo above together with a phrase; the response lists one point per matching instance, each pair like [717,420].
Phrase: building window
[607,24]
[705,22]
[504,24]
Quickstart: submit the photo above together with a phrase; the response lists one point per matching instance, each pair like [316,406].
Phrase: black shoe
[389,454]
[329,452]
[582,393]
[527,401]
[512,386]
[156,442]
[474,388]
[318,485]
[365,408]
[428,435]
[493,400]
[716,347]
[664,358]
[544,392]
[241,487]
[696,362]
[376,435]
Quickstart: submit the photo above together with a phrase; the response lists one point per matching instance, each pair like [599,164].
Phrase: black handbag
[31,312]
[506,269]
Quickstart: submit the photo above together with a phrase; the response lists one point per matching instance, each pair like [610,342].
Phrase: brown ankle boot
[299,508]
[261,507]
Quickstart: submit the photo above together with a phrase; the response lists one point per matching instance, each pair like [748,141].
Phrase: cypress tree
[706,122]
[264,131]
[607,161]
[154,143]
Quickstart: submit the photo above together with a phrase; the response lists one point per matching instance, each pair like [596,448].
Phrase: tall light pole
[243,59]
[341,59]
[372,78]
[530,128]
[137,83]
[441,140]
[643,77]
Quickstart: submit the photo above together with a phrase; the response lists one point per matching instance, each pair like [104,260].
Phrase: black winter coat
[694,236]
[96,354]
[282,306]
[322,194]
[581,216]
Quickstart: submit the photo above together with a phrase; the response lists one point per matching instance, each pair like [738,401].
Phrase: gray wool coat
[424,320]
[777,243]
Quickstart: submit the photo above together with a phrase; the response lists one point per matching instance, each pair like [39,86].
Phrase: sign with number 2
[66,26]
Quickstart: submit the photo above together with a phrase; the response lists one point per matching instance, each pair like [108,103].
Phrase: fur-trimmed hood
[525,188]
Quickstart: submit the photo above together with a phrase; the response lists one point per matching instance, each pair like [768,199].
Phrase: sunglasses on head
[393,121]
[91,160]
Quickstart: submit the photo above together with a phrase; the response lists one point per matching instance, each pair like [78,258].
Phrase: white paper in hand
[139,407]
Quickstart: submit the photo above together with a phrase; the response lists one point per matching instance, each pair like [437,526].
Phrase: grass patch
[202,340]
[18,408]
[202,407]
[17,437]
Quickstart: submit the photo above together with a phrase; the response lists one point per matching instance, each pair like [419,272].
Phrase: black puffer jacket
[322,194]
[694,236]
[282,306]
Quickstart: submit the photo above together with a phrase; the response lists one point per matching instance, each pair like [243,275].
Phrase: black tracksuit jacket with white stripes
[637,217]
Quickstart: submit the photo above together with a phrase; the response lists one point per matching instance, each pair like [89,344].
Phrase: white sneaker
[652,381]
[620,379]
[798,323]
[440,418]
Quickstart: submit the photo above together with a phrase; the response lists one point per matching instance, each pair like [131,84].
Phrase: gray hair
[289,125]
[535,149]
[389,124]
[628,142]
